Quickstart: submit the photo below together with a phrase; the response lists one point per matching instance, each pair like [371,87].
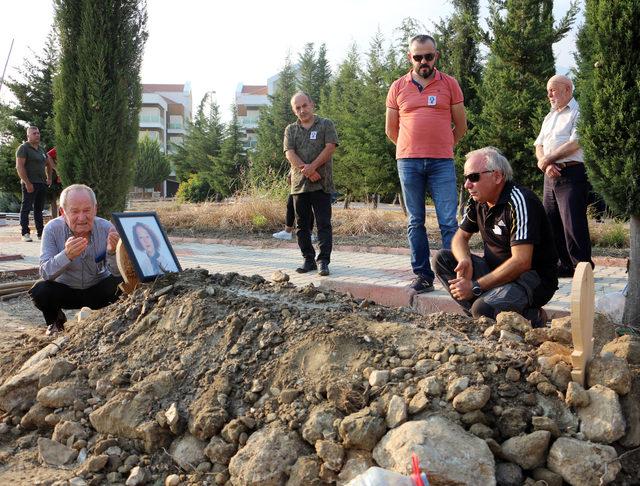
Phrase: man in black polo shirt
[518,272]
[32,167]
[309,144]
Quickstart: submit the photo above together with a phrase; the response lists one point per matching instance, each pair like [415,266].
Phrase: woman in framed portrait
[147,243]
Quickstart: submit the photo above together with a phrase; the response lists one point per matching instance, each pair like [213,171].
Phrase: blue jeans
[439,177]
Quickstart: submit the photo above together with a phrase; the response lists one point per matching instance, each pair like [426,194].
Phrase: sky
[216,45]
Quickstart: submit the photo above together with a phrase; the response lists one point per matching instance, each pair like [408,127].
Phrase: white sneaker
[314,238]
[283,235]
[26,237]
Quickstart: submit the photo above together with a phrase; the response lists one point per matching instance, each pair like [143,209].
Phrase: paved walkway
[381,277]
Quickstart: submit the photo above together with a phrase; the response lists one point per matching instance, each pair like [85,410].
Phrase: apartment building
[249,99]
[165,110]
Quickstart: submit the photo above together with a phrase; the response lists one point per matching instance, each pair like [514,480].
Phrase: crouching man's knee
[481,308]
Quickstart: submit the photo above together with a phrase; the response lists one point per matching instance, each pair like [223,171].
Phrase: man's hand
[314,176]
[552,171]
[307,170]
[28,186]
[112,241]
[464,269]
[74,246]
[49,181]
[460,288]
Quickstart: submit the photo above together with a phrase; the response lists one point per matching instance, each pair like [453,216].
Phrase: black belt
[564,165]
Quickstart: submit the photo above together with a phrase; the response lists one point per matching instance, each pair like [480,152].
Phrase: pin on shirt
[313,135]
[431,100]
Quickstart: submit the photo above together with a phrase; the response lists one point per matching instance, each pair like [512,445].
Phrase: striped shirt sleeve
[524,220]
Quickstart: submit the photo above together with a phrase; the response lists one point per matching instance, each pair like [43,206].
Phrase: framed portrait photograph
[147,244]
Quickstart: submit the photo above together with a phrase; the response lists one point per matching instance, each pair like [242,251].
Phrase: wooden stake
[582,312]
[127,270]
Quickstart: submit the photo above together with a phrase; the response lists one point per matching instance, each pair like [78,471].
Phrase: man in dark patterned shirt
[518,271]
[309,144]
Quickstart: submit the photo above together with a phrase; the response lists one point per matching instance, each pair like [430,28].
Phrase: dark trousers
[565,202]
[33,201]
[307,205]
[50,296]
[290,220]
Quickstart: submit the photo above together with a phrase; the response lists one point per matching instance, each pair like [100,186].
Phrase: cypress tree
[152,166]
[513,91]
[98,94]
[228,169]
[609,84]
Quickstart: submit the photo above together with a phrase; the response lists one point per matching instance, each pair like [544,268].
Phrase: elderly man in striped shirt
[518,271]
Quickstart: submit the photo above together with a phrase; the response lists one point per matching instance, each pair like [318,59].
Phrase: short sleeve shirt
[517,218]
[560,127]
[308,143]
[425,116]
[35,161]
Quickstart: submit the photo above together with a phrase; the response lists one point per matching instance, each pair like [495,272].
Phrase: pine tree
[323,75]
[98,94]
[609,84]
[269,161]
[202,141]
[152,166]
[228,169]
[307,69]
[514,82]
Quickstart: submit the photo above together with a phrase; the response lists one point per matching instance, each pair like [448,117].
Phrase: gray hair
[301,93]
[562,79]
[76,187]
[495,161]
[422,39]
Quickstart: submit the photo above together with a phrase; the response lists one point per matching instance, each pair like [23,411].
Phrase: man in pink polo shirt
[422,106]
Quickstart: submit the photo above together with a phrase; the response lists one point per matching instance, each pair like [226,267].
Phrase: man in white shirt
[566,186]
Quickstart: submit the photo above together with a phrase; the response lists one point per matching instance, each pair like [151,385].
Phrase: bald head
[559,91]
[302,105]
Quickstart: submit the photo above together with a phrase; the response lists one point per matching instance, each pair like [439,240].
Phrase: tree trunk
[347,200]
[632,304]
[376,200]
[401,199]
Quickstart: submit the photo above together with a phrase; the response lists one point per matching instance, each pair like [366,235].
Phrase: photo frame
[147,244]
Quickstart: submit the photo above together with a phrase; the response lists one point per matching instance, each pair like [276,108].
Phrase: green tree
[609,82]
[269,161]
[513,88]
[152,166]
[230,167]
[202,141]
[314,73]
[98,94]
[323,74]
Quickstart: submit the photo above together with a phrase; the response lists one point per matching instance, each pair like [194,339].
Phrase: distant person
[148,244]
[33,170]
[77,261]
[566,186]
[55,187]
[309,144]
[290,219]
[421,107]
[518,271]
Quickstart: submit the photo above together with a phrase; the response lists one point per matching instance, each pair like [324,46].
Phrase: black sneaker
[323,269]
[421,285]
[537,316]
[307,266]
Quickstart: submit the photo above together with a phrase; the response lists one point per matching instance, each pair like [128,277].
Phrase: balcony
[151,121]
[248,121]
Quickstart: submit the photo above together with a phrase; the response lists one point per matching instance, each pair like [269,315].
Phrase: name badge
[431,100]
[313,135]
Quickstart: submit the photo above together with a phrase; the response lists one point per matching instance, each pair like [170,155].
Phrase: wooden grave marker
[582,313]
[127,270]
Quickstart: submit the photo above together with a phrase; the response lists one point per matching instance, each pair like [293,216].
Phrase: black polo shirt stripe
[522,216]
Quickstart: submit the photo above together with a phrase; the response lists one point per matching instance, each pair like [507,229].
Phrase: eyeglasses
[475,176]
[427,57]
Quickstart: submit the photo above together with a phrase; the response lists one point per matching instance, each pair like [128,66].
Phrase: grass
[609,234]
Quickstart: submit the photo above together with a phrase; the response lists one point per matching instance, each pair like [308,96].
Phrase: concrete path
[381,277]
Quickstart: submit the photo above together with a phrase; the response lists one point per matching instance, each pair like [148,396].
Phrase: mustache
[424,66]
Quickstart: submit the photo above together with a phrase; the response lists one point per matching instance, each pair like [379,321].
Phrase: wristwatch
[475,288]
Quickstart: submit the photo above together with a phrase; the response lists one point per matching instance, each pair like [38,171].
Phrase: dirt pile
[225,379]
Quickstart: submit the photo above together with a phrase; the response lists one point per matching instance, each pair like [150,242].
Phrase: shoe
[55,328]
[39,237]
[307,266]
[26,237]
[565,272]
[539,317]
[421,285]
[283,235]
[323,269]
[314,238]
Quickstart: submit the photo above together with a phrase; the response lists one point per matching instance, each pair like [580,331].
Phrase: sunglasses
[427,57]
[475,176]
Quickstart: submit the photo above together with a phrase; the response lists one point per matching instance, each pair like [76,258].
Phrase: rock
[561,375]
[508,474]
[77,481]
[453,455]
[561,323]
[610,371]
[512,422]
[219,451]
[331,453]
[549,477]
[576,395]
[267,457]
[630,404]
[602,420]
[94,464]
[509,337]
[560,335]
[279,276]
[396,412]
[626,347]
[379,377]
[65,429]
[549,348]
[418,403]
[356,463]
[547,388]
[288,395]
[137,476]
[320,424]
[425,366]
[431,386]
[582,463]
[57,395]
[305,471]
[557,411]
[232,431]
[527,451]
[53,453]
[35,417]
[457,386]
[473,398]
[512,375]
[187,452]
[172,480]
[18,393]
[546,423]
[537,336]
[362,430]
[83,314]
[481,430]
[58,370]
[512,321]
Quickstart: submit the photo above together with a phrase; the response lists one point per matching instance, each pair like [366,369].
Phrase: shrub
[195,189]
